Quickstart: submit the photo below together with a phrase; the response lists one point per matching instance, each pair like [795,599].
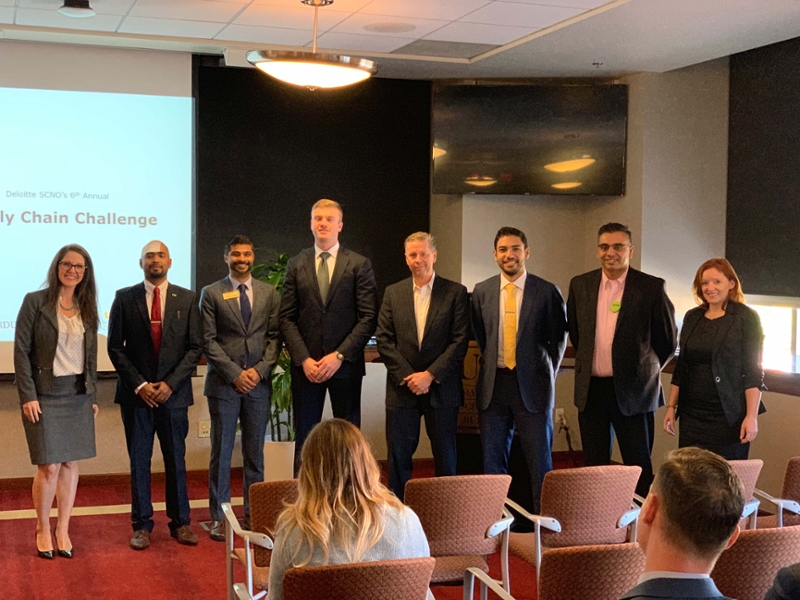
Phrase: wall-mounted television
[530,139]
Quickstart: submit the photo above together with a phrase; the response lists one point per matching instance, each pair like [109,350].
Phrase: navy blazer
[541,340]
[130,344]
[444,342]
[736,358]
[673,589]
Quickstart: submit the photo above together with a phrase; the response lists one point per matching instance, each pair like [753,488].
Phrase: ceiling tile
[356,23]
[265,35]
[169,27]
[338,5]
[191,10]
[289,18]
[360,43]
[521,15]
[51,18]
[7,2]
[444,49]
[6,14]
[448,10]
[103,7]
[477,33]
[586,4]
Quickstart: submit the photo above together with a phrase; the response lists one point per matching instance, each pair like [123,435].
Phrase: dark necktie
[244,305]
[155,320]
[323,277]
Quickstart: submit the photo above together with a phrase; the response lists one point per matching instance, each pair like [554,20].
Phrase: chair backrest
[791,481]
[745,571]
[456,512]
[588,502]
[267,500]
[603,572]
[405,579]
[748,471]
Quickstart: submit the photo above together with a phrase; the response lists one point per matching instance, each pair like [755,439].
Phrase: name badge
[235,294]
[615,306]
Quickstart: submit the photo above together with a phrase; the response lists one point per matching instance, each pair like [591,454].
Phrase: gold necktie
[510,327]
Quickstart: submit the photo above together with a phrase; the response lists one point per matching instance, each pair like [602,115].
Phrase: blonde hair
[421,236]
[726,268]
[341,501]
[326,203]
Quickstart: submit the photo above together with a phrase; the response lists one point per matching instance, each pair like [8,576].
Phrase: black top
[699,391]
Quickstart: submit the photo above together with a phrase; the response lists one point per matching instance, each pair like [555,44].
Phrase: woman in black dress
[55,363]
[716,387]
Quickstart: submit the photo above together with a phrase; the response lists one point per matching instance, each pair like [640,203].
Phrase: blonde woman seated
[343,513]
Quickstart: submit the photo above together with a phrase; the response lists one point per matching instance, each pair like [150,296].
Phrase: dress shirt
[248,284]
[69,352]
[611,290]
[520,283]
[331,259]
[148,295]
[422,302]
[671,575]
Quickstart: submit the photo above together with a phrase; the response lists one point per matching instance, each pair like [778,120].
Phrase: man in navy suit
[690,516]
[328,312]
[520,324]
[422,338]
[155,339]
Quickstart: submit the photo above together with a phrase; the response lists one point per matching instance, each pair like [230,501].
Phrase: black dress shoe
[184,535]
[140,539]
[65,553]
[48,554]
[217,531]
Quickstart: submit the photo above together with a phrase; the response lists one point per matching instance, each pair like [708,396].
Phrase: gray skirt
[65,430]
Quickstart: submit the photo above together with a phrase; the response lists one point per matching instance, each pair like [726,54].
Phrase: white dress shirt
[520,284]
[331,259]
[148,295]
[671,575]
[422,302]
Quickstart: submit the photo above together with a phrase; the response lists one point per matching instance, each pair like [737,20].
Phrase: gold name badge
[230,295]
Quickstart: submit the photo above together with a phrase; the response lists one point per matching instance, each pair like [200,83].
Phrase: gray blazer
[229,347]
[35,343]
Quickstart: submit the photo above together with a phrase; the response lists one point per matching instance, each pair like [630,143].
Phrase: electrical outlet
[204,429]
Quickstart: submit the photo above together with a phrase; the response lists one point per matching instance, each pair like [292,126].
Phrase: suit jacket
[444,342]
[644,340]
[230,347]
[735,360]
[786,585]
[541,340]
[35,343]
[344,323]
[130,344]
[667,588]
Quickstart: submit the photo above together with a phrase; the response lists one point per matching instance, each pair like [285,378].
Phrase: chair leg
[229,561]
[537,530]
[504,573]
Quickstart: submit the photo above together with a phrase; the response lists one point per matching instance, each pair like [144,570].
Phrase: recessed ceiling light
[77,9]
[390,27]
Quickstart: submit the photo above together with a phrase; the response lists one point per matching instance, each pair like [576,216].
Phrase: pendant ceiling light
[77,9]
[310,69]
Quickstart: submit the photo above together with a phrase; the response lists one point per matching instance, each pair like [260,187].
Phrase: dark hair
[703,499]
[236,241]
[723,266]
[85,291]
[615,228]
[504,231]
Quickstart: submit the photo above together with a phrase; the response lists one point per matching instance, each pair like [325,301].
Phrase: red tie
[155,320]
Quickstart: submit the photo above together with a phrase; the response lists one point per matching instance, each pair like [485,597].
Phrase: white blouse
[69,353]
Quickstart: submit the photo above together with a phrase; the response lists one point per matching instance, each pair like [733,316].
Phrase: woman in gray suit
[55,363]
[716,387]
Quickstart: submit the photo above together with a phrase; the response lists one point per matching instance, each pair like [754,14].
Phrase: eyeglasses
[67,266]
[615,247]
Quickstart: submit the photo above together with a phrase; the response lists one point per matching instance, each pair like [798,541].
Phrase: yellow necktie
[510,327]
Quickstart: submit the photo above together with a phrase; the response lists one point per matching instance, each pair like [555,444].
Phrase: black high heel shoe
[46,554]
[64,553]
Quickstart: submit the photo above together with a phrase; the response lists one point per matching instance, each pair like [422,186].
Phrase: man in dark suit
[155,339]
[520,325]
[242,343]
[422,338]
[622,325]
[328,313]
[690,516]
[786,585]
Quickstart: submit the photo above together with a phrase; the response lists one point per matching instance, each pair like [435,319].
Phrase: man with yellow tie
[520,324]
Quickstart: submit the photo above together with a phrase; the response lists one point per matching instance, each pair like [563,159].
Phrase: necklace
[66,308]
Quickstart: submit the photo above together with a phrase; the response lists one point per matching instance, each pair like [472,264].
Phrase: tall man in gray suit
[520,325]
[622,325]
[240,326]
[328,313]
[422,338]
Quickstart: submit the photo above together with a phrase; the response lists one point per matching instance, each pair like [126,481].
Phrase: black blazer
[345,323]
[735,361]
[644,340]
[130,344]
[672,589]
[786,585]
[35,343]
[444,342]
[541,340]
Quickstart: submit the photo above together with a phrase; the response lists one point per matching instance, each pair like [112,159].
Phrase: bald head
[155,262]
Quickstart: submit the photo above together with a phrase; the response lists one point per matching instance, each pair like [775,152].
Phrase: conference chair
[241,592]
[464,520]
[788,503]
[405,579]
[745,571]
[267,500]
[748,471]
[580,507]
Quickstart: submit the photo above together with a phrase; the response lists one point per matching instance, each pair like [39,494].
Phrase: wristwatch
[340,356]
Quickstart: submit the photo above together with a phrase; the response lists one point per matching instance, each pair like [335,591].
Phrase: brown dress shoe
[184,535]
[140,539]
[217,531]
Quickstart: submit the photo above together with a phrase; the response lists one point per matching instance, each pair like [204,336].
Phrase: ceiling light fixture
[567,185]
[310,69]
[77,9]
[565,166]
[477,181]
